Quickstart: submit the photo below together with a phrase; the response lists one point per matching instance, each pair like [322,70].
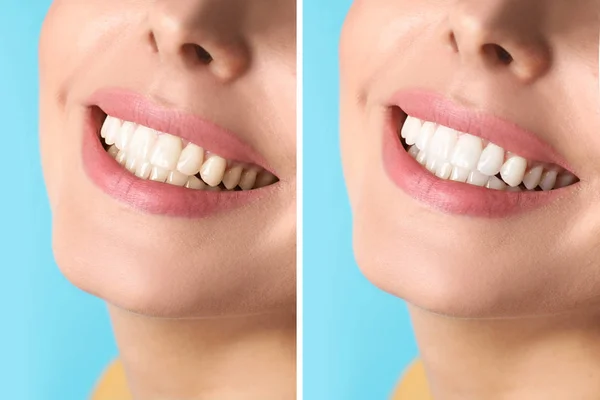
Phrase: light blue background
[357,339]
[55,340]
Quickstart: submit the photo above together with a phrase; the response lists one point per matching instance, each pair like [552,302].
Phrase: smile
[166,158]
[465,162]
[164,161]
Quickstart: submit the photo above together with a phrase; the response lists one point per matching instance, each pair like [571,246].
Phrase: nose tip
[488,36]
[187,36]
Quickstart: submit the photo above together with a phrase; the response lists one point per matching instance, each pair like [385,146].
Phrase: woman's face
[215,82]
[517,83]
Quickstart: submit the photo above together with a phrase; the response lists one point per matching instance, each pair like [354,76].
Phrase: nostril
[203,55]
[499,52]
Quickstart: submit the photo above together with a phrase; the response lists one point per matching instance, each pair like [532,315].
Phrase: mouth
[462,161]
[164,161]
[461,157]
[161,157]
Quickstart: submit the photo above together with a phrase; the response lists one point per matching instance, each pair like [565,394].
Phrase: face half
[470,143]
[168,147]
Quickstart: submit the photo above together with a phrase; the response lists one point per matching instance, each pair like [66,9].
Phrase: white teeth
[513,170]
[491,160]
[533,177]
[460,157]
[427,131]
[565,179]
[467,152]
[166,152]
[191,160]
[195,183]
[143,170]
[121,157]
[443,170]
[496,184]
[131,165]
[213,170]
[459,174]
[232,177]
[548,180]
[160,157]
[159,174]
[477,178]
[142,142]
[125,134]
[248,179]
[443,142]
[176,178]
[110,130]
[411,130]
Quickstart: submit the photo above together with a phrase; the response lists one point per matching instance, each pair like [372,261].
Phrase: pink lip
[129,106]
[454,197]
[148,196]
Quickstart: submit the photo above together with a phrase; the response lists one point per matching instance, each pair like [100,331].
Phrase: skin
[225,282]
[482,290]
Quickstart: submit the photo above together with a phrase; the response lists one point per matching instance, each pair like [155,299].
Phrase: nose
[501,34]
[198,34]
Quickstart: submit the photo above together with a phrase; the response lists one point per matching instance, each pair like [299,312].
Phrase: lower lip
[449,196]
[154,197]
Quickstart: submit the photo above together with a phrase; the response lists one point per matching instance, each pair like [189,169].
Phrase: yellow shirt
[413,385]
[113,385]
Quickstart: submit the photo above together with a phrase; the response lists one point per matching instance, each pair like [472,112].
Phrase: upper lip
[434,107]
[136,108]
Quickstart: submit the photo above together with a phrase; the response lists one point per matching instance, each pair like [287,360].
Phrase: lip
[155,197]
[454,197]
[133,107]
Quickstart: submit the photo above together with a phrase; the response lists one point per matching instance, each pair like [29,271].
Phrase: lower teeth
[238,179]
[549,179]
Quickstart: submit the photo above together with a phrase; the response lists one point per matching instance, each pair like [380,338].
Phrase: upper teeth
[166,158]
[461,157]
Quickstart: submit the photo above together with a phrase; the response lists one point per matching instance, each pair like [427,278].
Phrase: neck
[543,358]
[243,358]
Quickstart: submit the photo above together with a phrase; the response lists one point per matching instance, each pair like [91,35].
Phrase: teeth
[125,134]
[143,170]
[191,160]
[565,179]
[160,157]
[248,179]
[159,174]
[443,170]
[166,152]
[513,170]
[213,170]
[467,152]
[533,177]
[427,131]
[491,160]
[548,180]
[110,130]
[410,130]
[459,174]
[478,179]
[142,142]
[176,178]
[443,142]
[232,177]
[496,184]
[465,158]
